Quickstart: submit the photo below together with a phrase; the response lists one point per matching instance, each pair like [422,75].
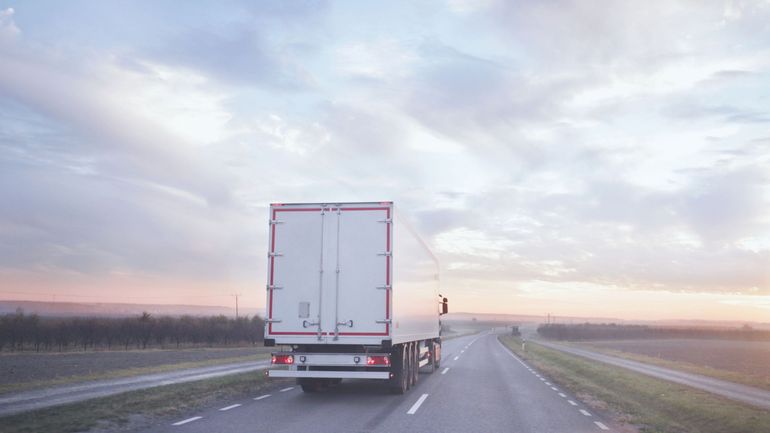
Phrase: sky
[606,158]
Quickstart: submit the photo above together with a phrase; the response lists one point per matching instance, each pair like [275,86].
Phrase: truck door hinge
[272,320]
[386,221]
[269,287]
[386,254]
[274,254]
[385,321]
[388,287]
[274,222]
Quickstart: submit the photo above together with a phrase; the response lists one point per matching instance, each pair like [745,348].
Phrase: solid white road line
[585,412]
[601,426]
[232,406]
[262,396]
[572,402]
[287,389]
[417,404]
[445,370]
[456,358]
[561,394]
[183,422]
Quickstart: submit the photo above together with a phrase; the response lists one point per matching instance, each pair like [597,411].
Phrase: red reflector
[283,359]
[378,360]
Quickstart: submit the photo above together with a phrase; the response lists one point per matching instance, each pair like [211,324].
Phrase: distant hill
[524,318]
[491,317]
[70,309]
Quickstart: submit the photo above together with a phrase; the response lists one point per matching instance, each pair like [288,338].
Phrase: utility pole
[236,295]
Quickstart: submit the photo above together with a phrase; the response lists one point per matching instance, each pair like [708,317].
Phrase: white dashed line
[585,412]
[601,426]
[554,388]
[412,410]
[542,379]
[287,389]
[183,422]
[262,396]
[462,351]
[445,370]
[548,383]
[572,402]
[561,394]
[456,358]
[232,406]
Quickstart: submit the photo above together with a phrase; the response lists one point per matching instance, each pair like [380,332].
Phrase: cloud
[531,142]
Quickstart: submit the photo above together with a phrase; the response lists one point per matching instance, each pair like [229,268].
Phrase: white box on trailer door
[348,273]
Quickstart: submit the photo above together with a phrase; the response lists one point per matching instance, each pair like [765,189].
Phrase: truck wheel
[431,366]
[311,385]
[399,384]
[415,364]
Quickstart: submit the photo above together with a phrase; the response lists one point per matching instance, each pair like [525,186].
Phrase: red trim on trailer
[371,334]
[387,273]
[303,209]
[272,270]
[363,208]
[387,267]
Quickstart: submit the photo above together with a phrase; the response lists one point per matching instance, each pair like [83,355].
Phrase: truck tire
[311,385]
[399,384]
[415,364]
[430,367]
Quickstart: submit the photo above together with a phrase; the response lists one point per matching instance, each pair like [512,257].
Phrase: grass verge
[127,372]
[730,376]
[136,406]
[653,405]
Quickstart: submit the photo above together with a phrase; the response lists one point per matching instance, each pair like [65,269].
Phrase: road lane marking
[548,383]
[601,426]
[554,388]
[262,396]
[561,394]
[572,402]
[417,404]
[445,370]
[183,422]
[457,357]
[287,389]
[232,406]
[585,412]
[462,351]
[542,379]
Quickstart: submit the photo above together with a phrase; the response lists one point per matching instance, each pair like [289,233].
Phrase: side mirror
[444,306]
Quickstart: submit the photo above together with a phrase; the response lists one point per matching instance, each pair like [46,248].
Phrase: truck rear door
[330,271]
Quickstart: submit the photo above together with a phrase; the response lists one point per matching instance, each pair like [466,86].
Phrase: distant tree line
[20,332]
[613,331]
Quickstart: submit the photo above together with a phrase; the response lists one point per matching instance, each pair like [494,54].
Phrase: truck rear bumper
[330,374]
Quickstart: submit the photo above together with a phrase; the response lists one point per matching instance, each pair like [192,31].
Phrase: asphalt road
[481,387]
[42,398]
[746,394]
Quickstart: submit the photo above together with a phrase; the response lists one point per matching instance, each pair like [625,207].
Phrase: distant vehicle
[354,291]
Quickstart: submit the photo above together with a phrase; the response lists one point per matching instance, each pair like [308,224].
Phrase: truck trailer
[352,293]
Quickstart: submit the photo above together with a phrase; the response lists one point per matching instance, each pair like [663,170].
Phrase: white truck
[353,291]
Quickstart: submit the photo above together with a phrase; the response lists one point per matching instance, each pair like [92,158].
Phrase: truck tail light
[378,360]
[283,359]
